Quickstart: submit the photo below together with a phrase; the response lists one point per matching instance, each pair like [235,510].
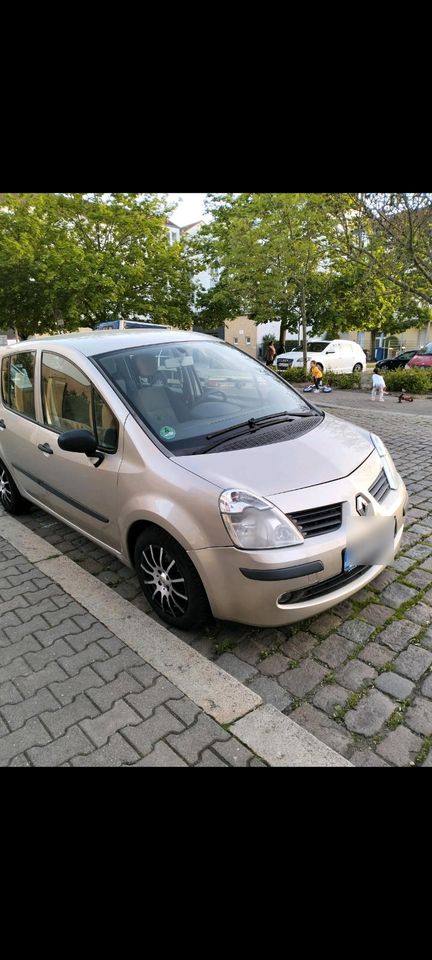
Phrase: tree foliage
[267,249]
[315,262]
[69,260]
[389,234]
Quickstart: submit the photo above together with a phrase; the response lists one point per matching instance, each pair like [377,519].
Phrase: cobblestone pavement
[359,677]
[72,694]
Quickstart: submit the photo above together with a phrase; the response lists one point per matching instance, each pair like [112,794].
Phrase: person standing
[378,385]
[271,353]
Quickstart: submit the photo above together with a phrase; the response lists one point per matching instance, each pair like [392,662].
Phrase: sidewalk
[360,400]
[87,679]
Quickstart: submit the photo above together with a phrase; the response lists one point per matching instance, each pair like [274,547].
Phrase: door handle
[45,447]
[2,425]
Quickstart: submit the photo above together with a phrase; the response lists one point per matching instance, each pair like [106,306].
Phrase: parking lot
[360,676]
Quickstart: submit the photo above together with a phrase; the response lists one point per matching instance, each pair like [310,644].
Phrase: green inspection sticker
[167,433]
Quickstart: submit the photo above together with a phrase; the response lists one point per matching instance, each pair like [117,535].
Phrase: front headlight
[254,523]
[387,462]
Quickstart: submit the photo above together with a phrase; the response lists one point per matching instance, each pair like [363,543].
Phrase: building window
[235,339]
[248,340]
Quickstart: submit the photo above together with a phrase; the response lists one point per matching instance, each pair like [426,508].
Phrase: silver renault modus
[227,490]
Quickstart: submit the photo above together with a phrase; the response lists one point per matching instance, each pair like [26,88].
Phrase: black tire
[184,605]
[357,368]
[10,497]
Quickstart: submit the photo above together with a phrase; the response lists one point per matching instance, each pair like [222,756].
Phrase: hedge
[294,374]
[412,381]
[343,381]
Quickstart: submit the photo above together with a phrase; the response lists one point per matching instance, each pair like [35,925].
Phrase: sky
[190,207]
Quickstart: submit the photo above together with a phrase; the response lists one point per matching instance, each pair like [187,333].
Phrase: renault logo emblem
[361,505]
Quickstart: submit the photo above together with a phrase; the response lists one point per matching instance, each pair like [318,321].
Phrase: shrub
[413,381]
[343,381]
[294,374]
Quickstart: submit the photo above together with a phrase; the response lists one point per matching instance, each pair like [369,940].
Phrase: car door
[79,492]
[330,358]
[347,356]
[19,429]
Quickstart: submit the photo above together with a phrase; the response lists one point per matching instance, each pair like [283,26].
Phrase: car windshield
[427,350]
[186,391]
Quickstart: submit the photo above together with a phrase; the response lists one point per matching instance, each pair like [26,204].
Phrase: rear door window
[17,383]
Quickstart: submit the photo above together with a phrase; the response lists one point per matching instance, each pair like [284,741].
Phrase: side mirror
[80,441]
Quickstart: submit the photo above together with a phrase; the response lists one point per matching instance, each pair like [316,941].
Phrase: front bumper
[249,586]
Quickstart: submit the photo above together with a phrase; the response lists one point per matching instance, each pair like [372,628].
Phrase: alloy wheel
[163,580]
[5,489]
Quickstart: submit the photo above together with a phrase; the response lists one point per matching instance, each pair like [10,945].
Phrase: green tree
[389,234]
[267,249]
[40,266]
[353,298]
[68,260]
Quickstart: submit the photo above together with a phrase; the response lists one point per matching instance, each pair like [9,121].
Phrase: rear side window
[17,383]
[71,402]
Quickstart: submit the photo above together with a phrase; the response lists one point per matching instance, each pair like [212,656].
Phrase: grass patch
[423,630]
[424,752]
[350,704]
[398,715]
[267,652]
[223,647]
[330,678]
[356,651]
[294,705]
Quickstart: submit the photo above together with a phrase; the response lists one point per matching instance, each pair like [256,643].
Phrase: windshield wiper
[253,423]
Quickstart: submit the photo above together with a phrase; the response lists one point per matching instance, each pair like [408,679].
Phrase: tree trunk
[283,329]
[304,325]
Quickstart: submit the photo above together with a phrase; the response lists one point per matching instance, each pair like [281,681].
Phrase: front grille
[322,588]
[319,520]
[380,487]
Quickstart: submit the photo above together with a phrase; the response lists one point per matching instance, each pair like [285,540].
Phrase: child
[316,374]
[378,385]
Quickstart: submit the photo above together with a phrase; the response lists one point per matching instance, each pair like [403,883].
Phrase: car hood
[331,451]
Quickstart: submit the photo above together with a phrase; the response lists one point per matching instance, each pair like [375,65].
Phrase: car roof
[106,341]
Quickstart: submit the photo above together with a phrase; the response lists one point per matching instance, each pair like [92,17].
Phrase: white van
[339,356]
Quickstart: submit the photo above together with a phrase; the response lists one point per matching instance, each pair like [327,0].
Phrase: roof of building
[188,226]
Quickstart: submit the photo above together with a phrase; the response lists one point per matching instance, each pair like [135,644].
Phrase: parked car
[423,358]
[340,356]
[129,325]
[244,499]
[393,363]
